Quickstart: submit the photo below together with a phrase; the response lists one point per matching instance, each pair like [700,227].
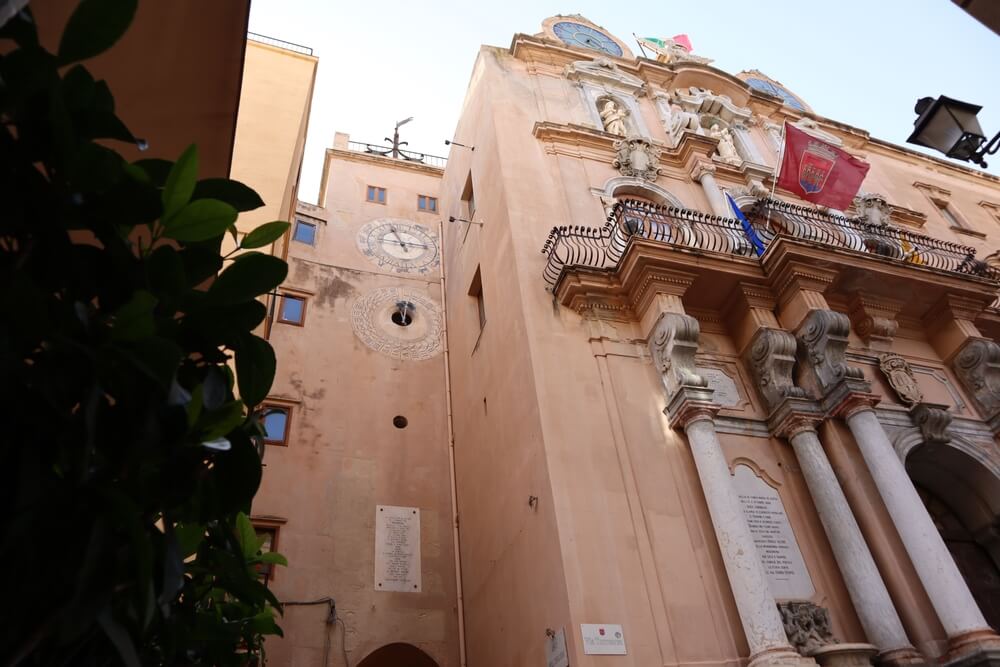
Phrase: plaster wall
[345,455]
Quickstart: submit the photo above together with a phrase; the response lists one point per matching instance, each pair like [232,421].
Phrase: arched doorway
[398,655]
[962,495]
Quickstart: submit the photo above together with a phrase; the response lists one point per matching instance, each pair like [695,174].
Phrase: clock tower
[576,32]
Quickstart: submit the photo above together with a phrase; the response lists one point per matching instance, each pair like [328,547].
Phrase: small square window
[292,310]
[270,535]
[276,420]
[305,232]
[476,292]
[425,203]
[376,194]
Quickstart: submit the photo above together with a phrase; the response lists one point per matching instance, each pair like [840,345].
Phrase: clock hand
[399,238]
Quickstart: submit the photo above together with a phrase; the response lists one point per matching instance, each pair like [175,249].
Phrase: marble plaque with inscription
[773,537]
[397,549]
[726,394]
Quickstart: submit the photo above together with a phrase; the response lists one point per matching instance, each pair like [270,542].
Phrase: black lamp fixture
[951,127]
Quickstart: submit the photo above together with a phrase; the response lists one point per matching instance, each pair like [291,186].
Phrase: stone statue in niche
[807,626]
[727,147]
[613,116]
[900,377]
[873,208]
[682,121]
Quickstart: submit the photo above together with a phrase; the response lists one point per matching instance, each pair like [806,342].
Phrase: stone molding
[604,72]
[977,366]
[874,318]
[771,359]
[823,338]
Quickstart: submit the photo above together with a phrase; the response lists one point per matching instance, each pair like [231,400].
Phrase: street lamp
[951,127]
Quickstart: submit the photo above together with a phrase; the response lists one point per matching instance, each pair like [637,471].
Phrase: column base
[845,655]
[901,657]
[979,648]
[780,656]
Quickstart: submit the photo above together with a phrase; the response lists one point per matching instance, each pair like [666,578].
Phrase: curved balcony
[693,232]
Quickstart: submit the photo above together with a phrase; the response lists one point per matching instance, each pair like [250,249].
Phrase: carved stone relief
[637,158]
[933,421]
[822,344]
[771,359]
[873,208]
[977,366]
[807,625]
[613,116]
[726,150]
[900,376]
[674,343]
[421,338]
[601,81]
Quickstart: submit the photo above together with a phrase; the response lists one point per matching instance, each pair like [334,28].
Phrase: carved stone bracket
[933,420]
[638,158]
[807,625]
[822,342]
[674,343]
[874,319]
[977,366]
[771,359]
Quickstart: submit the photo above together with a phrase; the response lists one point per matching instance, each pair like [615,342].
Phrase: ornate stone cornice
[581,141]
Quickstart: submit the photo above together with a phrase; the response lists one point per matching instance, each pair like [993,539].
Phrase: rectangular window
[476,292]
[305,232]
[277,422]
[425,203]
[270,535]
[469,199]
[946,213]
[376,194]
[292,309]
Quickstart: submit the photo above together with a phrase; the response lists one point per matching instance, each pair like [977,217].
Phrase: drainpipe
[451,457]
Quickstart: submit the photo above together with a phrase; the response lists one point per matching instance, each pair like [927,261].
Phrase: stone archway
[398,655]
[962,495]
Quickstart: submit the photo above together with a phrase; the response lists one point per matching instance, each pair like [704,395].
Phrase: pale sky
[861,62]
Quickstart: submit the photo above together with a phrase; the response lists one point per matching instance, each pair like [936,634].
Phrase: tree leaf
[246,535]
[264,235]
[94,27]
[248,277]
[157,168]
[200,220]
[157,357]
[189,537]
[180,183]
[274,558]
[134,320]
[239,196]
[255,367]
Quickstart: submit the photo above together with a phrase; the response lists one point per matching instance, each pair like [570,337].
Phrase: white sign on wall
[555,650]
[726,393]
[397,549]
[603,639]
[779,553]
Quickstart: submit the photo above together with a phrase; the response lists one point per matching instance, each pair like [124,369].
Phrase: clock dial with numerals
[399,245]
[577,34]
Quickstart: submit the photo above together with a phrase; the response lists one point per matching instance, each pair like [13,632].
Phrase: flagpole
[777,171]
[639,42]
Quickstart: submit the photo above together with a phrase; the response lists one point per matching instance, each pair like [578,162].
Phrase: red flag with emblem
[818,171]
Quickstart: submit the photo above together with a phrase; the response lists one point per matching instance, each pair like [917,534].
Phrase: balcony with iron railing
[398,153]
[603,248]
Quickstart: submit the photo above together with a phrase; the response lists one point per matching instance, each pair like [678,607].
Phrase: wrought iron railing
[409,156]
[280,43]
[603,247]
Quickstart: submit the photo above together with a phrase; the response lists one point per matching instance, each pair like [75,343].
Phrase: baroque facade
[645,441]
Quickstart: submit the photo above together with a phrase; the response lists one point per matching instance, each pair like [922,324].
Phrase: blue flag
[758,245]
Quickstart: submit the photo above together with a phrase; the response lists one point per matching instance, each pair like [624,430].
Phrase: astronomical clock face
[399,245]
[579,35]
[777,91]
[399,322]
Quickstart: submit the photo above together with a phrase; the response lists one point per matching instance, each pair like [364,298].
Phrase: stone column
[944,584]
[704,173]
[771,358]
[674,342]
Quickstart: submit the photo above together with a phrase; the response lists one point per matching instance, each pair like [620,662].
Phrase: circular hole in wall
[399,421]
[401,319]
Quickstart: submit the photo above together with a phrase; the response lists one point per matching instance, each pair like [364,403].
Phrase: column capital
[793,416]
[848,402]
[689,405]
[700,169]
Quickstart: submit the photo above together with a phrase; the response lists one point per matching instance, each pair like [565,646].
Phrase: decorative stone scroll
[823,343]
[977,366]
[900,376]
[771,358]
[637,158]
[674,343]
[807,625]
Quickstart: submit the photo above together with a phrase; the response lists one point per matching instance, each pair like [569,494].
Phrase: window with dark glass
[376,194]
[305,232]
[276,420]
[292,309]
[426,203]
[270,535]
